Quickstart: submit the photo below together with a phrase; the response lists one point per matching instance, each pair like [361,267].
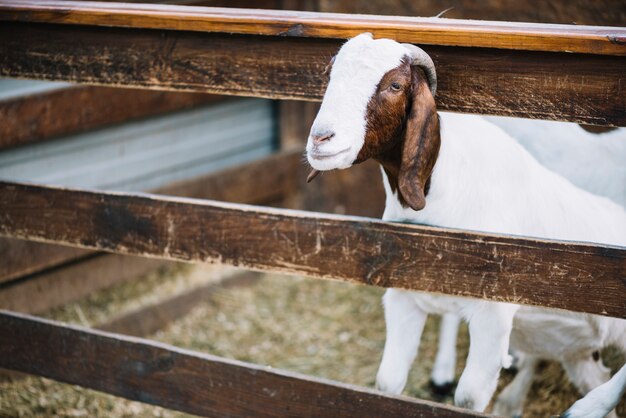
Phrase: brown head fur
[402,132]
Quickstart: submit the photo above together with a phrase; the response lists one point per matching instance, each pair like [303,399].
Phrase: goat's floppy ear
[421,142]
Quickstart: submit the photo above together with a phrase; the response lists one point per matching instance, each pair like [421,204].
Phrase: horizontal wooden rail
[145,320]
[524,70]
[565,275]
[431,31]
[261,182]
[188,381]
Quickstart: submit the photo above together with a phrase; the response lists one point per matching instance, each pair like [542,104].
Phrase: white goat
[592,161]
[379,105]
[573,339]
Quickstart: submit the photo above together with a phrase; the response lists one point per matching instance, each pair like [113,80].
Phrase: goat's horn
[420,58]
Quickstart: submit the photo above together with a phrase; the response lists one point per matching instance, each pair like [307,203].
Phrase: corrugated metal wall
[150,153]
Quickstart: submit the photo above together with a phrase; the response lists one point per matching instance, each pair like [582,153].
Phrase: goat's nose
[318,139]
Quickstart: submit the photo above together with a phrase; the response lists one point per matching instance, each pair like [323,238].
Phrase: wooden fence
[560,72]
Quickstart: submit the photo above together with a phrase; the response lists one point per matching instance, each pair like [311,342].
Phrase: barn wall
[150,153]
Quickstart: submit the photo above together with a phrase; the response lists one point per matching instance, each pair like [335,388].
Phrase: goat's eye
[396,86]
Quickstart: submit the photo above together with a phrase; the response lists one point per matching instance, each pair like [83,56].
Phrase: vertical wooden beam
[295,120]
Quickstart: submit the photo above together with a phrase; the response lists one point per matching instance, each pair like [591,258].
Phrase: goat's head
[379,104]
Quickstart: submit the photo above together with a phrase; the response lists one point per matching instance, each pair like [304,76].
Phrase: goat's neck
[390,161]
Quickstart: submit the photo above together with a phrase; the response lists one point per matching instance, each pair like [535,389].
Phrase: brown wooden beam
[188,381]
[582,88]
[578,12]
[266,181]
[140,322]
[245,4]
[37,117]
[586,87]
[431,31]
[568,12]
[586,278]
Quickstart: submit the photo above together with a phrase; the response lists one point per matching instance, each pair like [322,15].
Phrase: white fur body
[594,162]
[485,181]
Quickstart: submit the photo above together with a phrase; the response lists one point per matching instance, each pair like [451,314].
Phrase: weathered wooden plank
[579,12]
[266,181]
[579,277]
[433,31]
[246,4]
[189,381]
[558,86]
[146,320]
[65,111]
[294,123]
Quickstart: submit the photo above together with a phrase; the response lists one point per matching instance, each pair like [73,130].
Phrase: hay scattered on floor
[164,283]
[323,328]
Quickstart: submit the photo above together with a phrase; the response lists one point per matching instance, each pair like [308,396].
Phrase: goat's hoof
[474,393]
[441,390]
[503,408]
[390,383]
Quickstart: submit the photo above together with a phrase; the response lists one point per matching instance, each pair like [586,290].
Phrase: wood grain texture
[149,319]
[188,381]
[578,277]
[246,4]
[430,31]
[34,118]
[266,181]
[579,12]
[557,86]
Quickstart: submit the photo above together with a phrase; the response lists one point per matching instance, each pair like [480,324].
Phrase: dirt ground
[323,328]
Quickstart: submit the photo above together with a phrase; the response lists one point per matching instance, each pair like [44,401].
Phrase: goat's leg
[405,323]
[601,400]
[587,375]
[510,402]
[490,327]
[444,369]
